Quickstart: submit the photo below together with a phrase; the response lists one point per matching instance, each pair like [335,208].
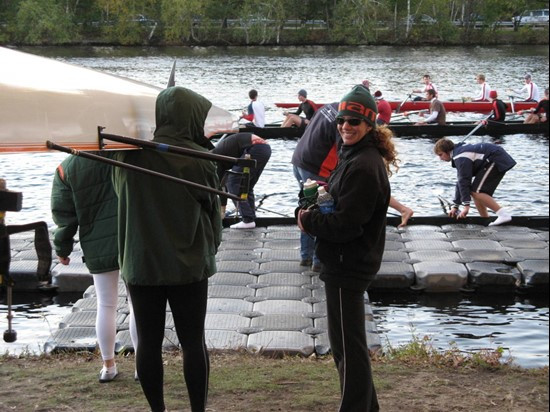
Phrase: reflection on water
[36,318]
[472,323]
[225,75]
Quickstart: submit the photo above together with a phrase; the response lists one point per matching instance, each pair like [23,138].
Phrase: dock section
[261,299]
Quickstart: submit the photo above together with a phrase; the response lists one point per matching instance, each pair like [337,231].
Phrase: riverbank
[411,377]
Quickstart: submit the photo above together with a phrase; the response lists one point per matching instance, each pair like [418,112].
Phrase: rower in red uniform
[384,109]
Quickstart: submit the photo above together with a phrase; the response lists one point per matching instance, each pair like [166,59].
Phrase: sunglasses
[352,122]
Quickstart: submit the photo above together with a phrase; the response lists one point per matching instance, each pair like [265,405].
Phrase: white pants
[106,287]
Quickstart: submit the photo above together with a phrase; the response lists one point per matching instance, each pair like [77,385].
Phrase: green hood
[180,115]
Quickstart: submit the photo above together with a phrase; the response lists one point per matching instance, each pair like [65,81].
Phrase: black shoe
[306,262]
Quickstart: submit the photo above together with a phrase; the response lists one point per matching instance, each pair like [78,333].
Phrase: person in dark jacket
[486,164]
[240,145]
[83,201]
[499,107]
[350,241]
[307,107]
[315,157]
[169,234]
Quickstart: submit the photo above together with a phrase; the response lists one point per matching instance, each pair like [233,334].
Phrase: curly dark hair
[383,139]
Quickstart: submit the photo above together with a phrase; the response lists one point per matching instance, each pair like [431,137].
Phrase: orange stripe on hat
[359,109]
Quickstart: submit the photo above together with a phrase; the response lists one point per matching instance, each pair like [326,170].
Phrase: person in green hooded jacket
[168,238]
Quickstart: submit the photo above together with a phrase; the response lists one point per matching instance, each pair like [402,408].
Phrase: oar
[481,123]
[406,115]
[512,106]
[401,104]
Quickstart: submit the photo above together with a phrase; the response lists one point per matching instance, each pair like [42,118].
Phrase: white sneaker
[243,225]
[108,374]
[500,220]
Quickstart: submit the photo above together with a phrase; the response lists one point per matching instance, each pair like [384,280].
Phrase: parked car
[539,16]
[420,19]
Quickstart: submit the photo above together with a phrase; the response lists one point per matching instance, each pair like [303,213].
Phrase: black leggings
[188,305]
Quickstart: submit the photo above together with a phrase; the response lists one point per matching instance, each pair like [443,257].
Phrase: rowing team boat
[273,131]
[450,106]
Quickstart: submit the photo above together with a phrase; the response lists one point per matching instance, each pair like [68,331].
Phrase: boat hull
[450,106]
[44,99]
[412,130]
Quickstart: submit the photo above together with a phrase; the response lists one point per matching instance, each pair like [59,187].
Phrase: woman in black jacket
[350,240]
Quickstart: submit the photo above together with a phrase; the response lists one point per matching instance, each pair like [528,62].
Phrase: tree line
[258,22]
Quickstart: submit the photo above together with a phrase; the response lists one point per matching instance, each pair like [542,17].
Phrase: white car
[539,16]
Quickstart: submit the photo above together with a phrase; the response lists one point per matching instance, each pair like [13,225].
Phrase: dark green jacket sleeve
[64,216]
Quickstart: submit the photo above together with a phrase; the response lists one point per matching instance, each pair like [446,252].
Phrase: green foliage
[258,22]
[43,22]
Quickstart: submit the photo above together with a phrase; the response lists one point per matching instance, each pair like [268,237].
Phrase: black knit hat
[359,103]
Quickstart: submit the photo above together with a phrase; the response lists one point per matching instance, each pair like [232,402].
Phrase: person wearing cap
[480,168]
[384,109]
[499,108]
[350,240]
[428,85]
[540,113]
[530,90]
[255,113]
[307,106]
[483,95]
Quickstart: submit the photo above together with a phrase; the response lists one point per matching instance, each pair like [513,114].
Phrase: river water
[327,73]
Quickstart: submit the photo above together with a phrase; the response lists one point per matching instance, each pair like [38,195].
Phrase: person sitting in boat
[255,113]
[486,164]
[438,114]
[384,109]
[540,113]
[530,90]
[484,91]
[239,145]
[428,85]
[306,106]
[499,108]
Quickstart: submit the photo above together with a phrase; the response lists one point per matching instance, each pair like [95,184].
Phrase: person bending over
[485,164]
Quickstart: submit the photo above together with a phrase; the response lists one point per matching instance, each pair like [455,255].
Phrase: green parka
[168,232]
[83,200]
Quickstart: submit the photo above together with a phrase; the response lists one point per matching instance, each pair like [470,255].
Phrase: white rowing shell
[43,99]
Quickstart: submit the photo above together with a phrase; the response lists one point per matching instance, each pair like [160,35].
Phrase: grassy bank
[412,378]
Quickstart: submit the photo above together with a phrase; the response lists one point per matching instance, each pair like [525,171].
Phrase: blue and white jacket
[469,159]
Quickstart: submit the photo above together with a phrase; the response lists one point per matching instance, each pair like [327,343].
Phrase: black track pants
[348,341]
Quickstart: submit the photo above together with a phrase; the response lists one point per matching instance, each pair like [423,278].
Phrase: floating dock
[261,299]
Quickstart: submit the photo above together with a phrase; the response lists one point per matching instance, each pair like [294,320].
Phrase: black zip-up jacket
[350,241]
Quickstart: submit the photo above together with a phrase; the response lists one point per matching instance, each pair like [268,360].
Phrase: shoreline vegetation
[413,376]
[271,23]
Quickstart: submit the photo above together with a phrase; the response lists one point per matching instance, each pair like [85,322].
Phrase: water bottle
[310,192]
[325,201]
